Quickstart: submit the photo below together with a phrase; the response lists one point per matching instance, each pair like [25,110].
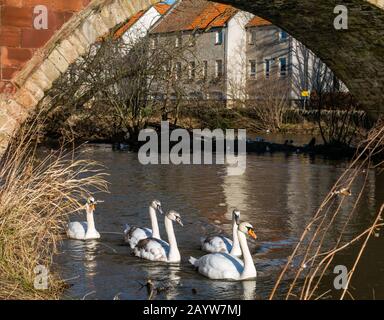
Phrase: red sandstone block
[14,57]
[67,16]
[25,98]
[32,38]
[7,87]
[8,73]
[16,17]
[13,3]
[60,5]
[55,19]
[10,36]
[71,5]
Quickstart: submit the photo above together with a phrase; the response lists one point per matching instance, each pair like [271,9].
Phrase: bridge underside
[355,55]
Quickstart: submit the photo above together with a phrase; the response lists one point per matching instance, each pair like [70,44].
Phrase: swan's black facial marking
[178,220]
[236,215]
[159,208]
[174,216]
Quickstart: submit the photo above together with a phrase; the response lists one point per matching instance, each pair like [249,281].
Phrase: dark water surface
[277,194]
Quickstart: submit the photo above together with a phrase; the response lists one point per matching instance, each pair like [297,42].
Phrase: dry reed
[36,196]
[312,255]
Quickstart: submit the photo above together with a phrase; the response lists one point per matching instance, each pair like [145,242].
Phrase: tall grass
[37,194]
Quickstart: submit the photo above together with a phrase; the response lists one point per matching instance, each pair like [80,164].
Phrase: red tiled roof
[196,14]
[214,15]
[119,32]
[258,22]
[161,8]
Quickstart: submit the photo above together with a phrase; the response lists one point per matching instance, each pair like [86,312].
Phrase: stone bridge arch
[355,55]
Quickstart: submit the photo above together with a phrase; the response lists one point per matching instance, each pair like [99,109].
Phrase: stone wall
[19,39]
[63,48]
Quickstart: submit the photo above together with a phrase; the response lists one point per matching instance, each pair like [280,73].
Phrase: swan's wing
[220,266]
[77,230]
[216,244]
[133,235]
[152,249]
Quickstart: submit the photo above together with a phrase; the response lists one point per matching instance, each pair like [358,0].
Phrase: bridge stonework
[355,55]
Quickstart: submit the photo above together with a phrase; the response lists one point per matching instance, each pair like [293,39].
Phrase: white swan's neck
[249,267]
[174,254]
[90,222]
[236,250]
[155,225]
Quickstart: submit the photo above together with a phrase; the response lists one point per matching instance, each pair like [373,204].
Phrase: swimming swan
[133,234]
[84,230]
[225,266]
[223,244]
[158,250]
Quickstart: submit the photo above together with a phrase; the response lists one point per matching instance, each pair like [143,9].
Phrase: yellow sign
[305,93]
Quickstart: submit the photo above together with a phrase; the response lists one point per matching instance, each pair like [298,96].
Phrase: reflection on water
[277,194]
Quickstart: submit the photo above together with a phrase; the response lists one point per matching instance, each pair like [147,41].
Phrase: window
[283,66]
[267,67]
[205,69]
[191,70]
[216,95]
[219,68]
[178,70]
[192,40]
[154,43]
[252,68]
[251,37]
[219,37]
[178,41]
[283,35]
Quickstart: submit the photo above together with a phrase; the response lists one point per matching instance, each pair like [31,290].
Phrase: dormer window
[178,41]
[192,40]
[283,36]
[191,70]
[267,67]
[283,66]
[252,69]
[154,42]
[251,37]
[219,37]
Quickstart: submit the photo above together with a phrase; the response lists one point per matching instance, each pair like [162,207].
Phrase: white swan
[223,244]
[225,266]
[158,250]
[84,230]
[133,234]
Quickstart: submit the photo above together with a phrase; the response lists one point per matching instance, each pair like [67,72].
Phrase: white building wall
[309,72]
[141,27]
[236,59]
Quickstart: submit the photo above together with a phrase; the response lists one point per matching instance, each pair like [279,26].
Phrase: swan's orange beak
[92,207]
[252,234]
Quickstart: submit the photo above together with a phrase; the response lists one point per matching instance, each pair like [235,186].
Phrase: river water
[278,194]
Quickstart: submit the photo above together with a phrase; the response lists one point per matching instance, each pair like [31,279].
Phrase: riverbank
[104,128]
[38,193]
